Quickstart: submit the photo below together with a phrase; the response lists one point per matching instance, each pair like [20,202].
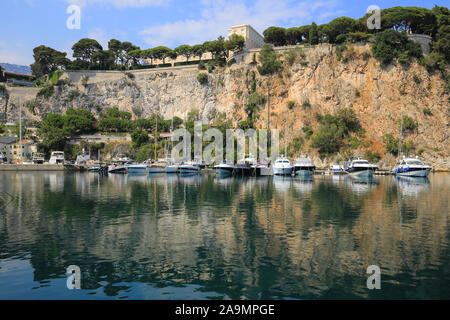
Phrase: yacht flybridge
[412,167]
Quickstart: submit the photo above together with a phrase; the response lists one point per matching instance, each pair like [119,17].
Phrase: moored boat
[57,157]
[137,168]
[246,166]
[225,168]
[158,166]
[412,167]
[304,166]
[190,167]
[361,168]
[282,166]
[38,158]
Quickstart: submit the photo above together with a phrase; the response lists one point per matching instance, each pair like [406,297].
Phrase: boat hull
[304,173]
[416,173]
[156,170]
[189,169]
[172,169]
[361,173]
[118,169]
[137,169]
[282,171]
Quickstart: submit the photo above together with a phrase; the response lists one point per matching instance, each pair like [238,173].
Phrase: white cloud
[218,16]
[99,35]
[121,3]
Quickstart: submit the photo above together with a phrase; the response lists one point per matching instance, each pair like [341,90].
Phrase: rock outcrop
[321,83]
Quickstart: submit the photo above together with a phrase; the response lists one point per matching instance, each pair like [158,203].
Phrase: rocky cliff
[322,82]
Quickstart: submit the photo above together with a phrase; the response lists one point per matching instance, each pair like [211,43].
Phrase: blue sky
[26,24]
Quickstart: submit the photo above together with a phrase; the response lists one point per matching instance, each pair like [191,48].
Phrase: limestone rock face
[321,83]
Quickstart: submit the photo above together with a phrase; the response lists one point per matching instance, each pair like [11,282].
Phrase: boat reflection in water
[412,186]
[303,185]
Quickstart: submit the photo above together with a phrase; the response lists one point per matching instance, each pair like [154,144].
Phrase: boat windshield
[414,162]
[361,162]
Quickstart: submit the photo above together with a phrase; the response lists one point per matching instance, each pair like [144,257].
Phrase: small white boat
[282,167]
[57,157]
[38,158]
[226,168]
[304,167]
[361,168]
[336,169]
[83,158]
[412,167]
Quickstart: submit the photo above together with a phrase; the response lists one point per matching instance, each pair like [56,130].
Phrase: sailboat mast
[400,140]
[285,135]
[156,137]
[20,130]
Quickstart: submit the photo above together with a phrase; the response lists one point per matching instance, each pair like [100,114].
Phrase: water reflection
[199,236]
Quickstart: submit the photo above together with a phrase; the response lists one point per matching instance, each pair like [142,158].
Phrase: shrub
[85,80]
[416,78]
[46,92]
[306,104]
[308,132]
[246,124]
[73,95]
[201,65]
[409,124]
[129,75]
[372,157]
[295,146]
[291,105]
[390,45]
[202,78]
[55,77]
[139,138]
[333,129]
[427,111]
[231,62]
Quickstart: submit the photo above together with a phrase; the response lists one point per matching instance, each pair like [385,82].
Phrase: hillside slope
[321,84]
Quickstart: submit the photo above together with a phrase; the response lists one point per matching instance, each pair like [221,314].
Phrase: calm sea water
[199,237]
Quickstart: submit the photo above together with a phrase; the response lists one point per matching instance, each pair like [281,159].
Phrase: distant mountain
[16,68]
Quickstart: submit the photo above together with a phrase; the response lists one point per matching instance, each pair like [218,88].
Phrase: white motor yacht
[304,166]
[361,168]
[57,157]
[189,167]
[282,166]
[225,168]
[412,167]
[38,158]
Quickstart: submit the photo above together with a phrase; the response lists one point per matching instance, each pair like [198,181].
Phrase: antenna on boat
[400,140]
[285,133]
[20,129]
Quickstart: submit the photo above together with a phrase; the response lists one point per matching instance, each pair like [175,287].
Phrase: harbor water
[203,237]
